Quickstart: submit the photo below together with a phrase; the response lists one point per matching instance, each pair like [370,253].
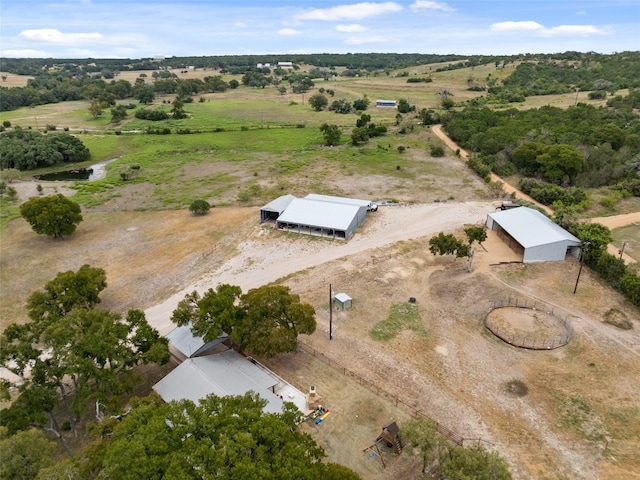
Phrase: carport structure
[531,233]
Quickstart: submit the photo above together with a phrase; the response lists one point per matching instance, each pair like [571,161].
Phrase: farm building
[212,367]
[529,232]
[321,215]
[273,209]
[386,103]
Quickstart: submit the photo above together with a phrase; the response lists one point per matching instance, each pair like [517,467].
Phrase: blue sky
[144,28]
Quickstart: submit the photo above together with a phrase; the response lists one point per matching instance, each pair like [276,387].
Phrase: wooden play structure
[391,435]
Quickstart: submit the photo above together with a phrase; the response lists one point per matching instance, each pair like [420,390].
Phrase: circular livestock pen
[525,323]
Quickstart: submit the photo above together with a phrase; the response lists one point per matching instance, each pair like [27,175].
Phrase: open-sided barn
[529,232]
[321,215]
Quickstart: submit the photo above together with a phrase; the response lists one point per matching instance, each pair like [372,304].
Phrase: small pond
[94,172]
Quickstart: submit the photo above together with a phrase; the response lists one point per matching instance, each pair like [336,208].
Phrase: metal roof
[279,204]
[531,228]
[332,199]
[224,374]
[342,297]
[315,213]
[183,340]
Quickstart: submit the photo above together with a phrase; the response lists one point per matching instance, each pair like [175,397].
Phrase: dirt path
[268,255]
[437,130]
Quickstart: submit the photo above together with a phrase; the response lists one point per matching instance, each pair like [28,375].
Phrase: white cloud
[370,39]
[527,26]
[56,37]
[560,30]
[569,30]
[350,12]
[353,28]
[289,31]
[26,53]
[427,5]
[240,25]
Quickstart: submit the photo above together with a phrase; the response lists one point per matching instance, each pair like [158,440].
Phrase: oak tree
[54,215]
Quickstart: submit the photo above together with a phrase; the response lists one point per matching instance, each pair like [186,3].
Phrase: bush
[437,151]
[152,115]
[199,207]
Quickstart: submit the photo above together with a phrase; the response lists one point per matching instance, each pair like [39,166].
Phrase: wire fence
[523,340]
[397,401]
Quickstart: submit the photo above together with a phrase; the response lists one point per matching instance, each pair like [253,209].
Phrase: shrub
[437,151]
[199,207]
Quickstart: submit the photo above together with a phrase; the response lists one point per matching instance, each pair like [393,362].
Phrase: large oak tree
[265,320]
[54,215]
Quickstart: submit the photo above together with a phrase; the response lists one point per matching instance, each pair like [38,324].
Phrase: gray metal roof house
[213,368]
[224,374]
[538,238]
[321,215]
[184,344]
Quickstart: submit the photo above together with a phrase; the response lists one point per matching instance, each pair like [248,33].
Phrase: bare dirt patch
[527,327]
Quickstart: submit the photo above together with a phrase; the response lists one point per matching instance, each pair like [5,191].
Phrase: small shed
[343,300]
[386,103]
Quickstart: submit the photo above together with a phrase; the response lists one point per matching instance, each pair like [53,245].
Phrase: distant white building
[386,103]
[285,64]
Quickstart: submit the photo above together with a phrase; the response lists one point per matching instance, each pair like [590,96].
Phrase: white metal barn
[320,215]
[530,232]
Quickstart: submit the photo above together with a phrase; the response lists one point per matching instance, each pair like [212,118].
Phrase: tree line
[24,149]
[582,146]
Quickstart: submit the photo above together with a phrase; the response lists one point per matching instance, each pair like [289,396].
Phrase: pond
[94,172]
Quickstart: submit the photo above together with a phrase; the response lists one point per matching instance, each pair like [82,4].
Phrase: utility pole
[330,313]
[624,244]
[584,249]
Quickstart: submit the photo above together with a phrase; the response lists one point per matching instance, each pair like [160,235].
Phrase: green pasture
[177,168]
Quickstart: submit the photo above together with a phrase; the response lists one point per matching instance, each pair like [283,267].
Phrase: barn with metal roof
[320,215]
[531,233]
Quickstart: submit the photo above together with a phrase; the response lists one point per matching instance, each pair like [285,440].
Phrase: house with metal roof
[531,233]
[214,368]
[184,344]
[226,374]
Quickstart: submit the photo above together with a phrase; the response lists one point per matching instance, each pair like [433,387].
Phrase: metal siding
[545,253]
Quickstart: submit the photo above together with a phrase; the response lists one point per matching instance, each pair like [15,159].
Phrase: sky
[145,28]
